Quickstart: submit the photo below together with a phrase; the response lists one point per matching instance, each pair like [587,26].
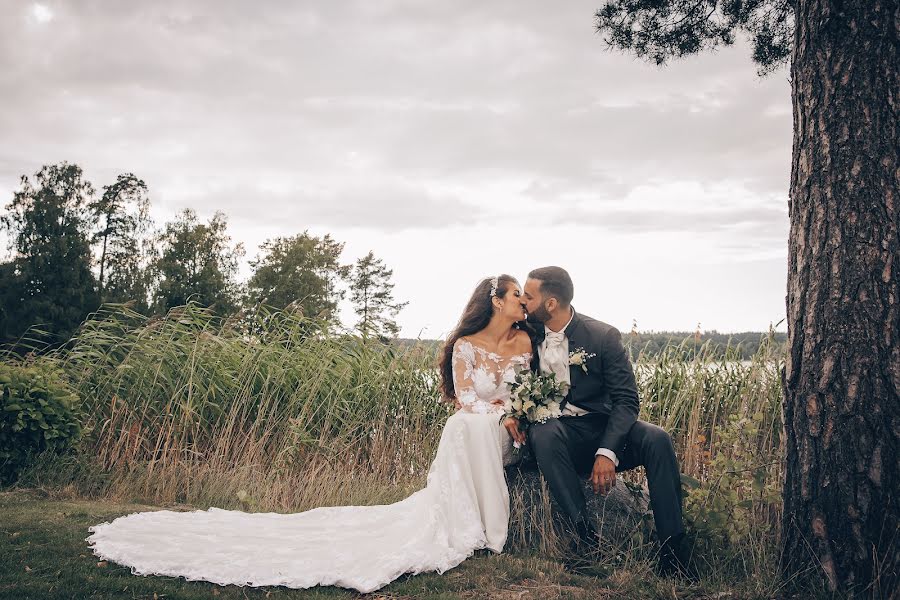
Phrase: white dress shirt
[554,358]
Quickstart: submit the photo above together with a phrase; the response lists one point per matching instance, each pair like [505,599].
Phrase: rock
[535,519]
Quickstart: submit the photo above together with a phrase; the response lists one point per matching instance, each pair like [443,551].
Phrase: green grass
[45,556]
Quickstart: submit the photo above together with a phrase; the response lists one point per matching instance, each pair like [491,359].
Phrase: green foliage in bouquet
[535,397]
[37,413]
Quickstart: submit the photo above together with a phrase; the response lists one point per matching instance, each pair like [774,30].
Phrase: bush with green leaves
[38,412]
[733,512]
[724,414]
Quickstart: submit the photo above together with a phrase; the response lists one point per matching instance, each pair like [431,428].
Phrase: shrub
[37,414]
[734,511]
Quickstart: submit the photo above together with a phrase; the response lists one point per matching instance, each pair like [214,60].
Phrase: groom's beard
[533,321]
[539,316]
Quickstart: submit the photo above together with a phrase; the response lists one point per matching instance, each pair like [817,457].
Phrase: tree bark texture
[842,375]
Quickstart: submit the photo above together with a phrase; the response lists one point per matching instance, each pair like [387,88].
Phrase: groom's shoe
[675,559]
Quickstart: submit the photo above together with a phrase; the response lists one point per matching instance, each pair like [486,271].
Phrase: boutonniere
[579,357]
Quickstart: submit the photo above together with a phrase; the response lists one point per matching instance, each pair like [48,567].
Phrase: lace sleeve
[463,370]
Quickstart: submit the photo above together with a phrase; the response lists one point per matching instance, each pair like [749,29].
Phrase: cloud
[385,206]
[682,206]
[40,14]
[687,222]
[443,92]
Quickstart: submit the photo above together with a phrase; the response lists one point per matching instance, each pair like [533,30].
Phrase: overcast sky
[455,139]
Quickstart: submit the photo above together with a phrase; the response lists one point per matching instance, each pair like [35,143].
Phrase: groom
[599,432]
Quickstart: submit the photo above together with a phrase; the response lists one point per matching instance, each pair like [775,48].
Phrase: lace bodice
[481,378]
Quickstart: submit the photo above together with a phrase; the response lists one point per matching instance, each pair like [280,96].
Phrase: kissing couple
[465,503]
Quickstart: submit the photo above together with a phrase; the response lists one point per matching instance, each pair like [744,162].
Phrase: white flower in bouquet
[542,413]
[534,398]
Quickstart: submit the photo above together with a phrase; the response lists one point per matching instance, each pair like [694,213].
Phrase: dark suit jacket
[608,387]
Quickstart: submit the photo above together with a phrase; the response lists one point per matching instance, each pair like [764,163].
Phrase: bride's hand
[512,426]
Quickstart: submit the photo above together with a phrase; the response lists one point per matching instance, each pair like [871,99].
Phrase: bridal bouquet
[534,397]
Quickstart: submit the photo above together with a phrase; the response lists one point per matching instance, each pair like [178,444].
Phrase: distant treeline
[738,346]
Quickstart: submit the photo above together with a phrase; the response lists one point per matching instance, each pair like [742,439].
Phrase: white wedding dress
[464,507]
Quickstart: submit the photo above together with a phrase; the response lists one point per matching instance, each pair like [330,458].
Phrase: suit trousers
[565,451]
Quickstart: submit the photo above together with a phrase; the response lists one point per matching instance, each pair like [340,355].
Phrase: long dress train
[463,507]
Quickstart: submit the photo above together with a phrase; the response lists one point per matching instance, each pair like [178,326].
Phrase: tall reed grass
[195,408]
[272,411]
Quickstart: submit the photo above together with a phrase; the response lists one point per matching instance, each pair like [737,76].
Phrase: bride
[463,507]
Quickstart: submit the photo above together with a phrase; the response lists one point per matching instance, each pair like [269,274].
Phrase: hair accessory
[495,280]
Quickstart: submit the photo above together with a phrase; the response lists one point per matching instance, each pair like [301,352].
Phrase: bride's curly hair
[475,317]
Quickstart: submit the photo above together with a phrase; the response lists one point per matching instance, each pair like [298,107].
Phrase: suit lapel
[536,333]
[575,333]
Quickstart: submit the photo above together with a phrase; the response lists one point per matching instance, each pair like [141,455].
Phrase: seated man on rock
[599,432]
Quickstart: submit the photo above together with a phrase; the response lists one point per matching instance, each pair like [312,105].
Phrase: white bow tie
[554,338]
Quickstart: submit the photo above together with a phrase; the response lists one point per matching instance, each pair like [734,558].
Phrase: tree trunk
[842,376]
[103,258]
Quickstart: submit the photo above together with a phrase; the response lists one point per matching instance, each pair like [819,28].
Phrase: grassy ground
[44,555]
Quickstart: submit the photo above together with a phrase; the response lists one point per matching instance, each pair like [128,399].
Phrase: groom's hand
[512,426]
[603,477]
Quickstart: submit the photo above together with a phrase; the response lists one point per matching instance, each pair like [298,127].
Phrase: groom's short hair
[555,281]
